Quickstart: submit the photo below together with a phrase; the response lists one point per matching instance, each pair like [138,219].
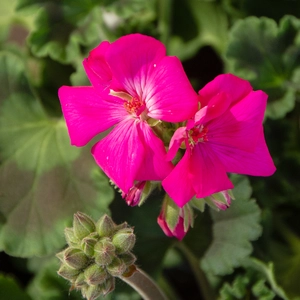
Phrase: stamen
[197,134]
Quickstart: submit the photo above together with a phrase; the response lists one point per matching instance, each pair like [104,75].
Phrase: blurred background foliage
[250,251]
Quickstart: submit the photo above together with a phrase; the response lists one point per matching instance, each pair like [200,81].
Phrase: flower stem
[203,284]
[144,285]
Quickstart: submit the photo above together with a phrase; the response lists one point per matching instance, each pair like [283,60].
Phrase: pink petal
[178,184]
[214,109]
[121,153]
[155,166]
[169,94]
[256,163]
[178,137]
[96,67]
[88,112]
[241,125]
[132,59]
[232,85]
[208,173]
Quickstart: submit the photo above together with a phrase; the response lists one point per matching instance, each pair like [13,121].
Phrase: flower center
[198,134]
[133,105]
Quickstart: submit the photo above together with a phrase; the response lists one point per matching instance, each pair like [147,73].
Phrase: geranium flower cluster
[162,131]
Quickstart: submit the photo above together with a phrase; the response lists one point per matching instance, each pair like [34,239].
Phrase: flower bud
[83,225]
[92,292]
[117,267]
[75,258]
[219,201]
[61,256]
[104,252]
[173,220]
[71,239]
[88,243]
[128,258]
[95,274]
[105,226]
[124,240]
[80,281]
[108,285]
[67,272]
[135,194]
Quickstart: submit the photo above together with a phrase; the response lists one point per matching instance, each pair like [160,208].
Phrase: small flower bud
[105,226]
[108,285]
[104,252]
[75,258]
[67,272]
[124,240]
[80,281]
[61,256]
[95,274]
[173,220]
[88,243]
[71,239]
[128,258]
[92,292]
[117,267]
[83,225]
[219,201]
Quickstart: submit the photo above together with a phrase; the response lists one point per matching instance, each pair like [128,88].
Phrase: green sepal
[83,225]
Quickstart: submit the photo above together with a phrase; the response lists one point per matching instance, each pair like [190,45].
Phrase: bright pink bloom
[226,135]
[132,81]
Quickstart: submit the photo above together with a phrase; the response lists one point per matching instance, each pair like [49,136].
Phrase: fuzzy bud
[71,239]
[173,220]
[95,274]
[67,272]
[83,225]
[75,258]
[108,285]
[104,252]
[124,240]
[117,267]
[97,252]
[128,258]
[92,292]
[88,243]
[105,226]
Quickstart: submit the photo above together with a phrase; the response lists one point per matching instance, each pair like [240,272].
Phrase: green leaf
[43,180]
[9,289]
[267,270]
[268,56]
[233,230]
[203,23]
[62,28]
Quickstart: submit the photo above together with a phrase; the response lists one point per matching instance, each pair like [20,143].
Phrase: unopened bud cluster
[96,254]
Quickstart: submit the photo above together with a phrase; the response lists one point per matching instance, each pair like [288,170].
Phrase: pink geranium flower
[133,81]
[226,135]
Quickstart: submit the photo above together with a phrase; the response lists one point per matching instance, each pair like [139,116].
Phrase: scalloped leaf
[268,55]
[43,180]
[233,231]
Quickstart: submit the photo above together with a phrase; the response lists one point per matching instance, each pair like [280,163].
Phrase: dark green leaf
[269,57]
